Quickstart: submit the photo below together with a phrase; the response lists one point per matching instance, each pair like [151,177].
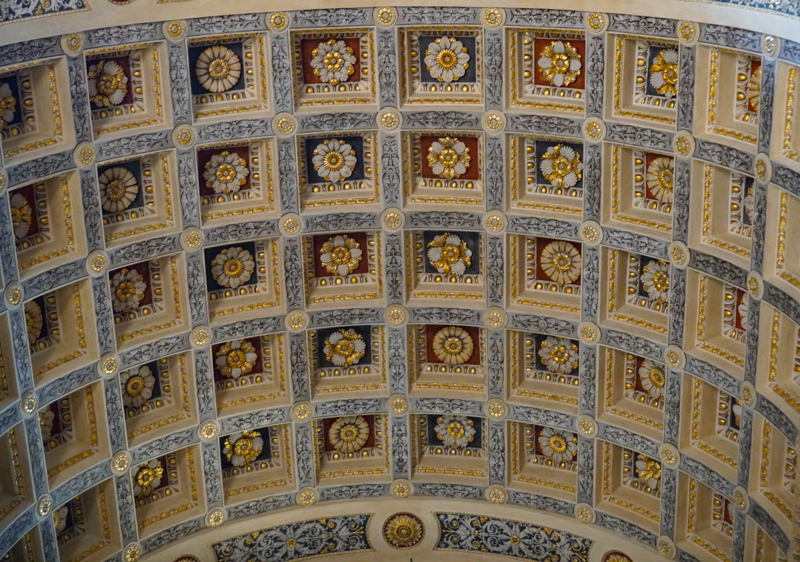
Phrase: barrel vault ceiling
[539,266]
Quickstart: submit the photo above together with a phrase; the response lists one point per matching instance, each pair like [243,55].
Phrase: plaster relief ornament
[748,202]
[652,378]
[455,432]
[334,160]
[743,307]
[659,178]
[453,345]
[446,59]
[664,73]
[108,84]
[560,63]
[558,445]
[147,478]
[226,172]
[754,89]
[449,254]
[403,530]
[655,279]
[232,267]
[60,518]
[21,216]
[118,189]
[137,386]
[8,105]
[33,321]
[561,262]
[333,61]
[46,419]
[559,355]
[449,158]
[348,434]
[127,290]
[561,166]
[236,358]
[344,348]
[218,69]
[243,448]
[648,471]
[340,255]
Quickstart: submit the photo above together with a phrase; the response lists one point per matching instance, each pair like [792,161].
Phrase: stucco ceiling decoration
[379,282]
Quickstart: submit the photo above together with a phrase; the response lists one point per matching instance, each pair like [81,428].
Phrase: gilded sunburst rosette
[200,337]
[333,61]
[597,22]
[561,262]
[290,224]
[13,295]
[301,411]
[447,59]
[496,409]
[594,130]
[453,345]
[616,556]
[349,434]
[393,218]
[403,530]
[389,119]
[107,365]
[749,395]
[97,263]
[755,285]
[28,403]
[296,320]
[83,155]
[218,69]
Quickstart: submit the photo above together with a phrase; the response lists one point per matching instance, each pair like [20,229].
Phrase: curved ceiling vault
[429,282]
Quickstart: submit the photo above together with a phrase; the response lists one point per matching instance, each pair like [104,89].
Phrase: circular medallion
[284,124]
[278,21]
[616,556]
[398,403]
[215,517]
[174,30]
[496,494]
[403,530]
[385,17]
[400,488]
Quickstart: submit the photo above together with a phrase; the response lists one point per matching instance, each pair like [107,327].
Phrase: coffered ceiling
[384,282]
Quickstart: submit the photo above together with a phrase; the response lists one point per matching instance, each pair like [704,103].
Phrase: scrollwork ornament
[290,225]
[108,365]
[385,17]
[174,30]
[762,168]
[396,315]
[278,21]
[28,404]
[132,552]
[301,411]
[184,137]
[493,18]
[296,321]
[679,254]
[97,263]
[675,357]
[72,44]
[401,488]
[496,494]
[495,318]
[215,517]
[389,119]
[755,285]
[3,179]
[84,155]
[393,219]
[493,122]
[284,125]
[208,430]
[13,295]
[770,46]
[44,505]
[192,239]
[594,130]
[688,33]
[591,233]
[200,337]
[749,395]
[741,499]
[585,513]
[496,409]
[666,547]
[398,404]
[495,222]
[587,426]
[669,455]
[589,332]
[120,463]
[683,144]
[597,22]
[307,496]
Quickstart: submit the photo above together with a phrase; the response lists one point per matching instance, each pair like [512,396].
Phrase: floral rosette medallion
[218,69]
[340,255]
[449,158]
[449,254]
[655,280]
[559,355]
[226,172]
[453,345]
[446,59]
[664,73]
[147,478]
[334,160]
[456,432]
[232,267]
[559,63]
[108,84]
[333,61]
[236,358]
[137,386]
[344,348]
[127,290]
[561,166]
[8,105]
[349,434]
[652,378]
[243,448]
[558,445]
[118,189]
